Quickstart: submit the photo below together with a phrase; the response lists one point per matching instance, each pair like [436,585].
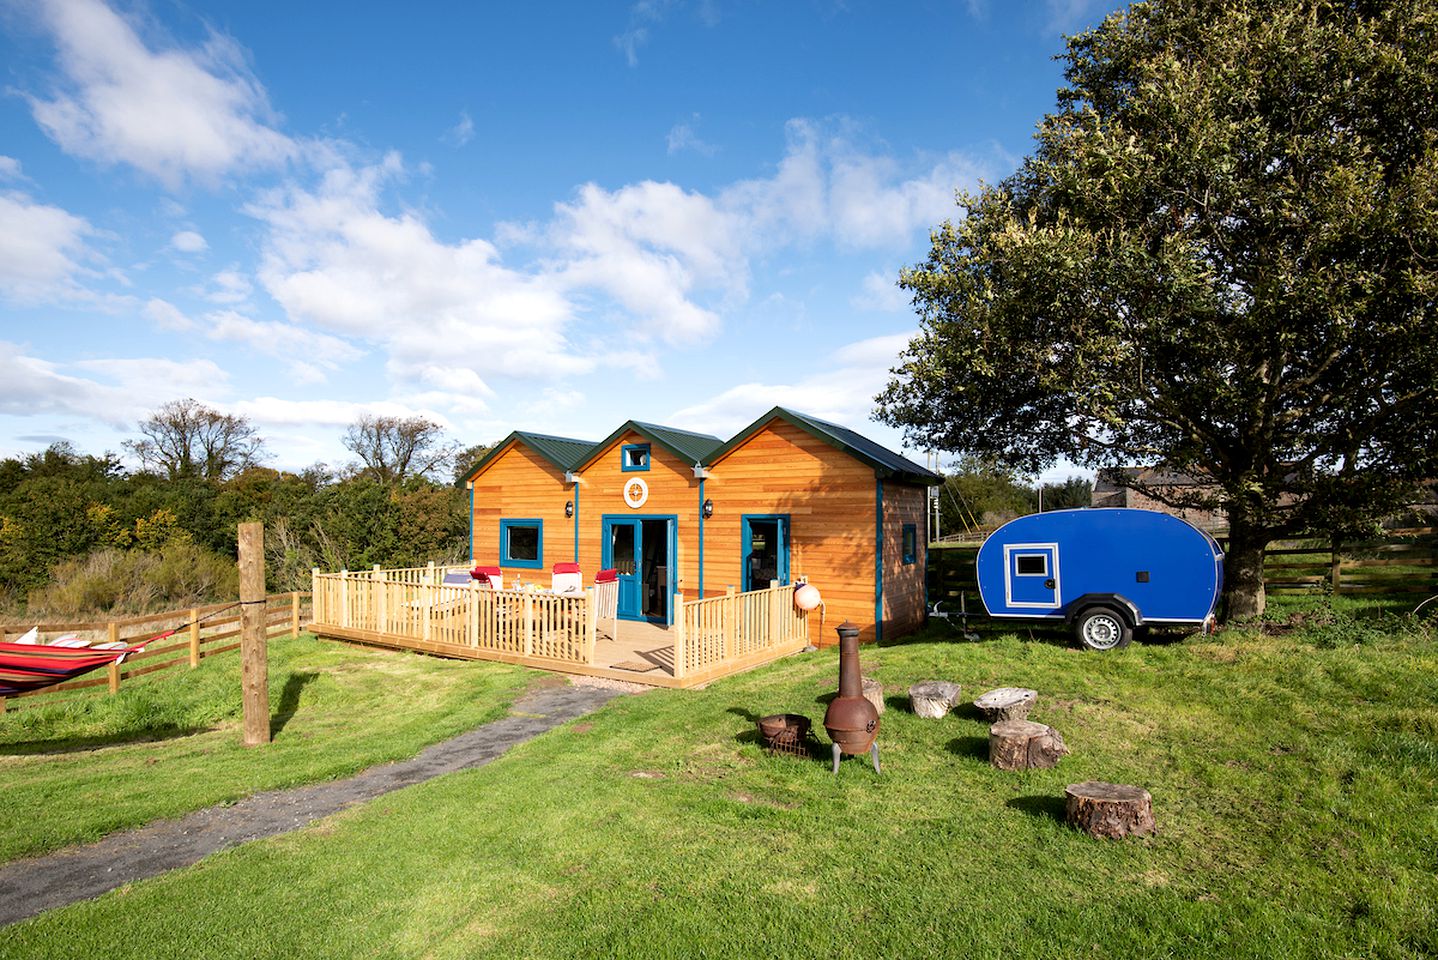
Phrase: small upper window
[1032,565]
[911,542]
[634,456]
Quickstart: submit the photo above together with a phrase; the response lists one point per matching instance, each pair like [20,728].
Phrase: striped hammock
[33,666]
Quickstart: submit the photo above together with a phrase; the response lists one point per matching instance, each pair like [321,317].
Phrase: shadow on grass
[45,748]
[290,700]
[975,748]
[1041,806]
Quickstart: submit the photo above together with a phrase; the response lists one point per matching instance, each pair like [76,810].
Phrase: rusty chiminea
[851,720]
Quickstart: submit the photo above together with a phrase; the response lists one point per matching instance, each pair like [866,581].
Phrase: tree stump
[1006,703]
[1024,745]
[874,693]
[933,698]
[1109,810]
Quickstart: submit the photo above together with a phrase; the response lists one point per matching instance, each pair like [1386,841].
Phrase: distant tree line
[980,493]
[82,533]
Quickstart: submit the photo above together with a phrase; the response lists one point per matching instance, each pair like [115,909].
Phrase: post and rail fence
[283,613]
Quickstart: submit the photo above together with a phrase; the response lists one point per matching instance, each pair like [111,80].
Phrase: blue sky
[551,217]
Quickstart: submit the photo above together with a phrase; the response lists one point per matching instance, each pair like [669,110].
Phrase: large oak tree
[1221,260]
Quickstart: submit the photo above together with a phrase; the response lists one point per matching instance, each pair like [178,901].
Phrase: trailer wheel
[1102,628]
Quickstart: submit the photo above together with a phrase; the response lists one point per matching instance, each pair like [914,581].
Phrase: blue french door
[623,546]
[766,550]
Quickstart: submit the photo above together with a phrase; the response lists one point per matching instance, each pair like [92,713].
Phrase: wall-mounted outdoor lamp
[708,509]
[569,508]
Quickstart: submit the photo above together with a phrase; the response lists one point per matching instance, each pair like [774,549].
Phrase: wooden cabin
[788,497]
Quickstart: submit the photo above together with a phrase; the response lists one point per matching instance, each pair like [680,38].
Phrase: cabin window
[911,542]
[1031,565]
[521,543]
[634,457]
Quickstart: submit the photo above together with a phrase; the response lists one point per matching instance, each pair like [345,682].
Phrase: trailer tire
[1102,628]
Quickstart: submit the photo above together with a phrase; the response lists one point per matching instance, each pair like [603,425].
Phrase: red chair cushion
[566,568]
[606,576]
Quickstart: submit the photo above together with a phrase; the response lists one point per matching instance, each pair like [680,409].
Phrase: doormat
[636,666]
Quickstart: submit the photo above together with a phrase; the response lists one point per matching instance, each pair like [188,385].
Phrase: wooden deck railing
[409,608]
[737,627]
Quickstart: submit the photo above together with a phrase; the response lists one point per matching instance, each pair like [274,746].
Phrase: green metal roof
[886,463]
[688,446]
[563,452]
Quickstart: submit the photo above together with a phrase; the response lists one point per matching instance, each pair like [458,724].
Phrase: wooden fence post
[591,625]
[681,651]
[344,598]
[429,573]
[731,623]
[295,614]
[315,595]
[254,662]
[112,635]
[775,613]
[1335,570]
[528,624]
[473,613]
[194,638]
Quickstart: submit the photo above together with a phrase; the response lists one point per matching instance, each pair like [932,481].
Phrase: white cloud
[882,293]
[10,169]
[188,241]
[40,249]
[276,411]
[462,132]
[309,355]
[167,316]
[682,137]
[172,113]
[843,393]
[116,391]
[228,287]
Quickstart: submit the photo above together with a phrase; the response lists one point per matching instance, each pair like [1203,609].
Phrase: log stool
[1109,810]
[933,698]
[874,693]
[1006,703]
[1024,745]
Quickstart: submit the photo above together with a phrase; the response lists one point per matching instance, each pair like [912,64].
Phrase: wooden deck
[576,634]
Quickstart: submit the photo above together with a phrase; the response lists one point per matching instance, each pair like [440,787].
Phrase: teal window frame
[624,458]
[910,542]
[505,560]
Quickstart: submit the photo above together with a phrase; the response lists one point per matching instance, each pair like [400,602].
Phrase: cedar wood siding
[672,491]
[519,484]
[830,499]
[903,583]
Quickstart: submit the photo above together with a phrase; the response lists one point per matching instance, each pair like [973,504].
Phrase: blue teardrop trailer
[1105,572]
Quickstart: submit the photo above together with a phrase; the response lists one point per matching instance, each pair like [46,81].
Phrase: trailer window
[1031,565]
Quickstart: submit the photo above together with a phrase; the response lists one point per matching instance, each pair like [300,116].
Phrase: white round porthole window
[636,493]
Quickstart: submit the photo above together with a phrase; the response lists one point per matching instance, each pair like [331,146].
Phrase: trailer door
[1031,575]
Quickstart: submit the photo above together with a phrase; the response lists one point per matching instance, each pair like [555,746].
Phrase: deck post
[344,598]
[381,604]
[376,605]
[775,613]
[528,624]
[315,595]
[427,605]
[429,573]
[112,635]
[473,611]
[680,647]
[731,625]
[295,614]
[194,638]
[591,624]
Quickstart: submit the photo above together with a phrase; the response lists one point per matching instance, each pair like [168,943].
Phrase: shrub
[111,581]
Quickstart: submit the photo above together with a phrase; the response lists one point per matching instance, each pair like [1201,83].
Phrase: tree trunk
[1243,596]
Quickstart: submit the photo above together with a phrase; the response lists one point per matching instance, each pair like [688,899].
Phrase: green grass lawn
[170,742]
[1294,786]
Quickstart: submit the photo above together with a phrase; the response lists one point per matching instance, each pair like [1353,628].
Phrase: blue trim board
[576,521]
[701,538]
[504,559]
[471,525]
[624,466]
[879,562]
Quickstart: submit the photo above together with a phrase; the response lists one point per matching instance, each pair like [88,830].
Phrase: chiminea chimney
[851,720]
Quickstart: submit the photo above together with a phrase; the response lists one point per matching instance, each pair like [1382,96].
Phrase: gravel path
[28,887]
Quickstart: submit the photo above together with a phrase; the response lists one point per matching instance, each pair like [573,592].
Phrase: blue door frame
[630,605]
[782,565]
